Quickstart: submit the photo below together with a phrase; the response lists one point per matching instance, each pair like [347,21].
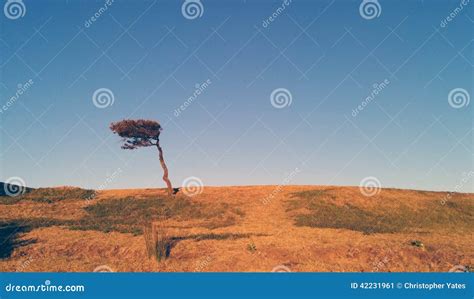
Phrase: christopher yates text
[434,286]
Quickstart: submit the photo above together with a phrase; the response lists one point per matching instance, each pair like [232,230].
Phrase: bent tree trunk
[165,170]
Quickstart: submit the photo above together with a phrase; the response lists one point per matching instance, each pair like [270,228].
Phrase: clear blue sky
[324,52]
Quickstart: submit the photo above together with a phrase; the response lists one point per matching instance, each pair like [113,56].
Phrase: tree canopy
[137,133]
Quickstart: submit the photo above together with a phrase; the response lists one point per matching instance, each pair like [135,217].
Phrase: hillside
[248,228]
[12,189]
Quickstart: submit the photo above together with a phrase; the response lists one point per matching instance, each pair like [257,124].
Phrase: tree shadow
[10,233]
[202,237]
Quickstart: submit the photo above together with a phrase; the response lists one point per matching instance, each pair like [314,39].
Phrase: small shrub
[417,243]
[157,241]
[251,247]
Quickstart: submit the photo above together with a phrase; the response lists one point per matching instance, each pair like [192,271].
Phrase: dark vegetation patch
[12,231]
[9,200]
[50,195]
[10,237]
[6,189]
[129,214]
[323,213]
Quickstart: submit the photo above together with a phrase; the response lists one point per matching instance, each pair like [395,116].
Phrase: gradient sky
[324,52]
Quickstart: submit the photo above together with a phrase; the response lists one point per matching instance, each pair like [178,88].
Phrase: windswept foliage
[137,133]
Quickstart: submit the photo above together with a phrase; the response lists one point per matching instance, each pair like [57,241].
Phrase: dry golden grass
[248,228]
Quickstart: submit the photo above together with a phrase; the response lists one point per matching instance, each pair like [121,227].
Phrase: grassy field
[248,228]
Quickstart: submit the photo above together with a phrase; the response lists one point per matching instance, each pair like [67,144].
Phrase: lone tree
[142,133]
